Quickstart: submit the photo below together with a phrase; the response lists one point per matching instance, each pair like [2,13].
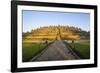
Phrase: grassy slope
[82,49]
[31,49]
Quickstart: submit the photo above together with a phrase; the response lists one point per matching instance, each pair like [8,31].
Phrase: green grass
[82,49]
[29,50]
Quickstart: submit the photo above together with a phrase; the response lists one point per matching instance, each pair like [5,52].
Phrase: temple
[53,33]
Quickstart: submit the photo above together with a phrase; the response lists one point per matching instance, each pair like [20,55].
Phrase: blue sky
[35,19]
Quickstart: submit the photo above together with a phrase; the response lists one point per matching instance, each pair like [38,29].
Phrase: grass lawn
[29,50]
[82,49]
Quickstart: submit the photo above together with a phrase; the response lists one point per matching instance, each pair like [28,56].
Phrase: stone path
[56,51]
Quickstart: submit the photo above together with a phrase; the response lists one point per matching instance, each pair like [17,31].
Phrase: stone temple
[53,33]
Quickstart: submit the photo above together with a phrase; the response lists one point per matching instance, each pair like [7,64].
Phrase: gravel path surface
[56,51]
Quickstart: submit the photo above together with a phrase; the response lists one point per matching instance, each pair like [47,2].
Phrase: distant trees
[84,34]
[24,34]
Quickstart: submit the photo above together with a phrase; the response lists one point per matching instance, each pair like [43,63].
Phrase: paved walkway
[56,51]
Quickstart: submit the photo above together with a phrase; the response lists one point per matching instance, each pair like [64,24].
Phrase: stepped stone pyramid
[53,33]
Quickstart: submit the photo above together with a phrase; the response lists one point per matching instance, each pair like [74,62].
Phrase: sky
[35,19]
